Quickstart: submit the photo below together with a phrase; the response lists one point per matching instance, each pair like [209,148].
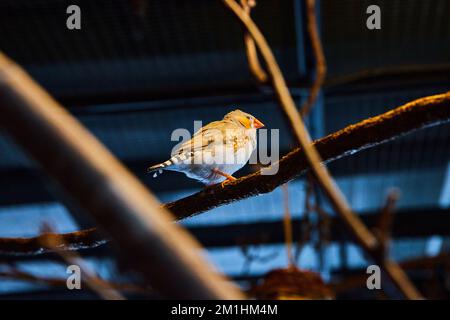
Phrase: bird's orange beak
[257,124]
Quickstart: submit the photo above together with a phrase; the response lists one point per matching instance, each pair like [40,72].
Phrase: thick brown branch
[427,111]
[72,241]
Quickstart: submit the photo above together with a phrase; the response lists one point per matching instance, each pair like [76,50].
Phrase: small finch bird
[216,151]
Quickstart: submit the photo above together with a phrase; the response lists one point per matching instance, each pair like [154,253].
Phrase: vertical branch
[321,66]
[305,222]
[287,223]
[366,239]
[250,48]
[322,221]
[385,218]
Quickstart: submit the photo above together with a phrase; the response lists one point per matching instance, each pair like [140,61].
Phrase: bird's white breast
[228,157]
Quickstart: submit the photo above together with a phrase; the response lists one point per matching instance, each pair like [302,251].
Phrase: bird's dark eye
[249,118]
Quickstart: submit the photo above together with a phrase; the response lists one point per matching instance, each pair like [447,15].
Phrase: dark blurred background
[137,70]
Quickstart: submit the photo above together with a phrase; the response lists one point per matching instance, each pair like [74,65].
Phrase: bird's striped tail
[157,169]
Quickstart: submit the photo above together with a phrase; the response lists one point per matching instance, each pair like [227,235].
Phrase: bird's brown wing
[206,136]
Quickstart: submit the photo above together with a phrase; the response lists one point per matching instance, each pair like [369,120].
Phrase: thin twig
[322,221]
[305,222]
[320,66]
[250,49]
[287,223]
[384,225]
[252,257]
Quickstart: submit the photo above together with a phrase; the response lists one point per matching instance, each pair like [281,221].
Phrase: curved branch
[250,49]
[321,65]
[416,114]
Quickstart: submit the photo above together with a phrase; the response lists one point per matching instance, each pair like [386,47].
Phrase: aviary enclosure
[331,180]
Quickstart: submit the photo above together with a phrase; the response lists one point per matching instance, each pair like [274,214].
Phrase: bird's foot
[228,177]
[227,181]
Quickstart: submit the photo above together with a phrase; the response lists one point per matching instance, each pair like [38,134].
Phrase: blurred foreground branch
[165,254]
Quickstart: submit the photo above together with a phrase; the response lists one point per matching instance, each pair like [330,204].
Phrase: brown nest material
[291,283]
